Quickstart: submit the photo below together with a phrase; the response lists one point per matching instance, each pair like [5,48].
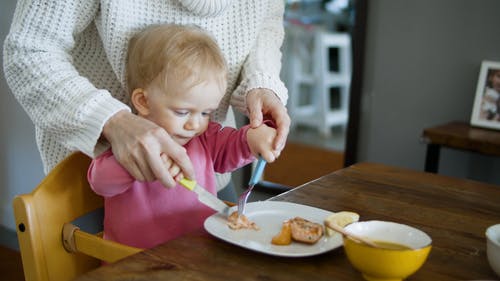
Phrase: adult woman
[64,61]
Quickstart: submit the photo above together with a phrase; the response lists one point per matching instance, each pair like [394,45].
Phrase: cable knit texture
[64,60]
[206,7]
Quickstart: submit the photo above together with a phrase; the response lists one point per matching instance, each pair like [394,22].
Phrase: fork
[256,174]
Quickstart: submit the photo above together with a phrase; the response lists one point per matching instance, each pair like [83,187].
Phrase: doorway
[311,150]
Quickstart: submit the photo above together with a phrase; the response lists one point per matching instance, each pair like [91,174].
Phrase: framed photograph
[486,111]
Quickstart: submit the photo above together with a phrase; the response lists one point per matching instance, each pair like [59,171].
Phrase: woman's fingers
[263,102]
[282,129]
[140,146]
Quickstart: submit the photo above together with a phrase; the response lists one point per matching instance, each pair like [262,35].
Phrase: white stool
[309,66]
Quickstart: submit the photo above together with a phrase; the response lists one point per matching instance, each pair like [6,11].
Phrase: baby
[177,77]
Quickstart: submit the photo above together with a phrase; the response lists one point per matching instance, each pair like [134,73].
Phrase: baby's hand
[260,140]
[173,169]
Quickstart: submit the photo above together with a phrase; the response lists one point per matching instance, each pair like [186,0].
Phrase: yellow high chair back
[52,247]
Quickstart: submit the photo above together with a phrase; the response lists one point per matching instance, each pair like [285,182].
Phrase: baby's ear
[139,100]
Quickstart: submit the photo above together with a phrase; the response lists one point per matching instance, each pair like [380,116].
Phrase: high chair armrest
[78,241]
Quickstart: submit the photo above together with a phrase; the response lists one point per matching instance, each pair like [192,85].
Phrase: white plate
[269,216]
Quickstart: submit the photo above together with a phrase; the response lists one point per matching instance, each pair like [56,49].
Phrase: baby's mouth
[184,138]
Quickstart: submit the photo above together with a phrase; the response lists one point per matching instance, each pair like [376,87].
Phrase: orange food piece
[285,235]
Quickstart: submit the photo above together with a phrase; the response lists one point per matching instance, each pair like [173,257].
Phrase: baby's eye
[206,113]
[181,112]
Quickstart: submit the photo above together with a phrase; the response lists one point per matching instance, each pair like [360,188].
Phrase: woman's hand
[263,103]
[143,148]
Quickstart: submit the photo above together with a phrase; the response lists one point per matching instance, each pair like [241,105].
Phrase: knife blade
[205,197]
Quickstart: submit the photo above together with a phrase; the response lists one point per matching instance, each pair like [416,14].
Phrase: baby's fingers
[174,170]
[269,156]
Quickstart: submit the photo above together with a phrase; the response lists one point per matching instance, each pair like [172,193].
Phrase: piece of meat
[235,222]
[306,231]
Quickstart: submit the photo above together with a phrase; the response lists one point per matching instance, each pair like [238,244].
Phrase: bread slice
[342,219]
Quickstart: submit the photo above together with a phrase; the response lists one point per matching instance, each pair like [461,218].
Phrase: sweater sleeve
[107,177]
[40,71]
[228,147]
[263,65]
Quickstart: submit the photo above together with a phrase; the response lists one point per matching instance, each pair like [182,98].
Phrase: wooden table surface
[461,135]
[454,212]
[458,135]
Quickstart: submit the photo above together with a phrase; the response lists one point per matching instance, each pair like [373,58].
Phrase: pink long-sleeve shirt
[145,214]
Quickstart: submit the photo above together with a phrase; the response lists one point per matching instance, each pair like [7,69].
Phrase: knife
[205,197]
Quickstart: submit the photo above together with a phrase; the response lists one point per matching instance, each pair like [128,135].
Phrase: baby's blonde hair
[176,55]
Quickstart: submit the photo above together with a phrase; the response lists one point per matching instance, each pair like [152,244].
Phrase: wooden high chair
[52,247]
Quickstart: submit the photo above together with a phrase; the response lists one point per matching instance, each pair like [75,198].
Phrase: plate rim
[213,217]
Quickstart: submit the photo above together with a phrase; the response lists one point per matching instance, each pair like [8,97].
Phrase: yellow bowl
[384,264]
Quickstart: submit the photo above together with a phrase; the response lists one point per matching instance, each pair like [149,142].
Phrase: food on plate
[300,230]
[305,231]
[285,236]
[341,219]
[236,222]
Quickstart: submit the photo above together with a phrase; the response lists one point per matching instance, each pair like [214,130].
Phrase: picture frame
[486,110]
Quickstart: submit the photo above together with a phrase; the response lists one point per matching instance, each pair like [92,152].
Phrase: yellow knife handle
[189,184]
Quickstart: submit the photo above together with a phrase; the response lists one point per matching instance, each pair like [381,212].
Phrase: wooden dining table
[454,212]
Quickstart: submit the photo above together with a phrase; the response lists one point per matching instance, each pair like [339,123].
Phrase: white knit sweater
[64,60]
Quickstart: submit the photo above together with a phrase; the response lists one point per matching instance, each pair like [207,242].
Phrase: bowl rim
[400,224]
[490,231]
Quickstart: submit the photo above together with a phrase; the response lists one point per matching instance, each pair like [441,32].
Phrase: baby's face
[185,114]
[495,81]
